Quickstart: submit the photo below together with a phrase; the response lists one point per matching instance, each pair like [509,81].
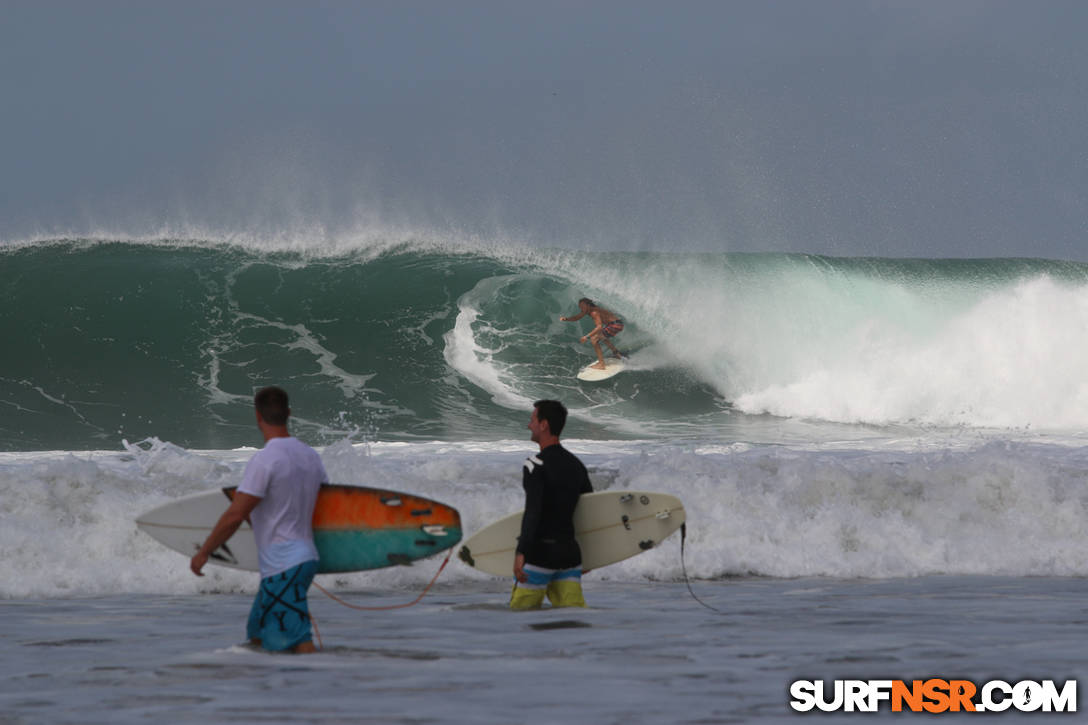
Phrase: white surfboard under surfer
[607,325]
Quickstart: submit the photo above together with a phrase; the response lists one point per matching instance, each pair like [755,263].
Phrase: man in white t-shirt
[277,495]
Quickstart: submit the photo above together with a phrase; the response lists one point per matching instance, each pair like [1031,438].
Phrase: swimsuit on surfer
[280,615]
[612,328]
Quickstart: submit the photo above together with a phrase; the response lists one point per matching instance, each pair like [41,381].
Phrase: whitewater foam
[998,507]
[1011,359]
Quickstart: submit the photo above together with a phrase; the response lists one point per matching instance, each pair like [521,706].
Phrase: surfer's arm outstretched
[241,506]
[574,318]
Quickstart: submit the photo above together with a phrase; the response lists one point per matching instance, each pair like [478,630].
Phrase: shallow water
[641,653]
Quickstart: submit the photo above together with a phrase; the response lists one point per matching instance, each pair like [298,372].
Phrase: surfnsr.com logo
[933,696]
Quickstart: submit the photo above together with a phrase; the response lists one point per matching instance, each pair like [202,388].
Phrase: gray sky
[913,128]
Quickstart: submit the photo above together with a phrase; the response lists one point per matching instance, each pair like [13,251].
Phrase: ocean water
[863,446]
[110,340]
[643,652]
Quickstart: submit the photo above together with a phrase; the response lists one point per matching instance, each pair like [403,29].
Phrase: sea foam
[995,507]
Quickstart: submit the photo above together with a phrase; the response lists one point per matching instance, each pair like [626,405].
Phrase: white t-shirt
[286,475]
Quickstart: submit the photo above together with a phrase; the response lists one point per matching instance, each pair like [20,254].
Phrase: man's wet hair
[271,404]
[552,411]
[588,301]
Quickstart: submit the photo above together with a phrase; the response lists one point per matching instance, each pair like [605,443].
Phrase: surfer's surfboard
[355,528]
[611,367]
[610,526]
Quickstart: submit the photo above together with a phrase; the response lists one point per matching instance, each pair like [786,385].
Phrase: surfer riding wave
[608,325]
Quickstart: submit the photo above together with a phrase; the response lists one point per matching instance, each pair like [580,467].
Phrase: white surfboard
[184,524]
[611,367]
[610,526]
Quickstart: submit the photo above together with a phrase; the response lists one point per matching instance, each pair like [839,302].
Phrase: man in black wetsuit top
[548,560]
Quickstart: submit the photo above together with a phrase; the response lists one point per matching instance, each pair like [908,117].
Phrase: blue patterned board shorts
[280,617]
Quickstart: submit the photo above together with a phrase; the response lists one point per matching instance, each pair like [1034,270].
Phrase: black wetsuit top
[553,480]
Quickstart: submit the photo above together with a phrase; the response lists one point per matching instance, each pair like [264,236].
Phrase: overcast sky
[913,128]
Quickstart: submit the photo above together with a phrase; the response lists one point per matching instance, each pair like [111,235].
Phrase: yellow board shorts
[563,587]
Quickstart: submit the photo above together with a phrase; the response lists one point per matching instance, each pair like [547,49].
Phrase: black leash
[683,567]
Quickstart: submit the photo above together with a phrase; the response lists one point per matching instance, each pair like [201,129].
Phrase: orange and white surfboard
[355,528]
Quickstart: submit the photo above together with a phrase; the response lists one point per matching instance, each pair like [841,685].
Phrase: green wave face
[108,341]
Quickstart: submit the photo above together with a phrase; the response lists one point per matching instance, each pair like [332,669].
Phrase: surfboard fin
[466,556]
[223,553]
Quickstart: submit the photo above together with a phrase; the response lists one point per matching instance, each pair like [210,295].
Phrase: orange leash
[426,589]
